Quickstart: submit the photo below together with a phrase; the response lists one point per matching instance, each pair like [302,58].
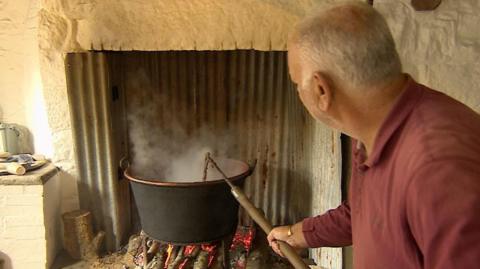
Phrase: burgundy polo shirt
[415,201]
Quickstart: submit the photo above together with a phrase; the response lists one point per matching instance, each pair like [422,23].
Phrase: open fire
[169,256]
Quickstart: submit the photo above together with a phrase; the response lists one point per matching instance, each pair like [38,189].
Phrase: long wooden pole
[287,250]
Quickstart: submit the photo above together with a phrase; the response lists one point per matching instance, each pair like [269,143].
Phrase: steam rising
[161,147]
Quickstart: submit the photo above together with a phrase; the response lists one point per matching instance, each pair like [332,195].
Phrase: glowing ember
[241,246]
[212,250]
[244,236]
[182,257]
[188,253]
[169,255]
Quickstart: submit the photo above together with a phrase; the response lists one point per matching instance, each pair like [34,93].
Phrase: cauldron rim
[155,182]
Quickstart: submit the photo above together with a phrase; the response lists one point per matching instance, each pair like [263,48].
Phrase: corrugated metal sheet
[91,113]
[246,94]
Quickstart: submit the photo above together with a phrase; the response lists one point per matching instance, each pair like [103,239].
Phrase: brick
[21,210]
[26,232]
[24,200]
[33,189]
[29,265]
[3,200]
[13,245]
[2,224]
[11,189]
[21,221]
[16,248]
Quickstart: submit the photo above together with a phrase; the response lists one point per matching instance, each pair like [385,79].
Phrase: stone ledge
[36,177]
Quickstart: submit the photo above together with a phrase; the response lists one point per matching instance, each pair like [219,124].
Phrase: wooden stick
[153,247]
[262,221]
[221,172]
[202,260]
[145,255]
[178,259]
[205,168]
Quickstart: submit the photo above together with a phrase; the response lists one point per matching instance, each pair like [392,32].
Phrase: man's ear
[322,88]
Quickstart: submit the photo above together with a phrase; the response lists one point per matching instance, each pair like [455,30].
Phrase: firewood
[202,260]
[191,257]
[173,254]
[157,262]
[78,235]
[162,255]
[195,252]
[15,169]
[134,243]
[153,247]
[178,259]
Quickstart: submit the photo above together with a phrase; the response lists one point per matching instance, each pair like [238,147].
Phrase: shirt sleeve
[443,212]
[332,229]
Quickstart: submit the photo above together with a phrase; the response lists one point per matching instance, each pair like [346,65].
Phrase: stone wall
[178,25]
[439,48]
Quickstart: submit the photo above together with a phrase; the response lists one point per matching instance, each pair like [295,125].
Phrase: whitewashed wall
[21,94]
[22,99]
[440,49]
[30,235]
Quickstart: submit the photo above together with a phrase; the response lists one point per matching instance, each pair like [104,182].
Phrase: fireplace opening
[163,110]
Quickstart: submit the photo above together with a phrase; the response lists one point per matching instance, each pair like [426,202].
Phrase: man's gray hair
[351,42]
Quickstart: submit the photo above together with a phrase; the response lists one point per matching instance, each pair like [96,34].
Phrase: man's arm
[443,211]
[332,229]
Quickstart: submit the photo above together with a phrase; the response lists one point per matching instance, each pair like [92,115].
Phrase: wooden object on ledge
[78,235]
[425,5]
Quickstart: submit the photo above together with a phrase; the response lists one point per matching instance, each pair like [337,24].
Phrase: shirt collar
[402,107]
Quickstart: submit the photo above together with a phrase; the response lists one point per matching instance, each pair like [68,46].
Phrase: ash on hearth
[248,249]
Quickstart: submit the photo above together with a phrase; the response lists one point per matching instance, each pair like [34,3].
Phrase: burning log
[78,235]
[161,256]
[202,260]
[153,247]
[158,262]
[191,252]
[177,260]
[148,253]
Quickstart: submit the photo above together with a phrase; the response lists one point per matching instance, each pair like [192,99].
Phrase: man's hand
[296,239]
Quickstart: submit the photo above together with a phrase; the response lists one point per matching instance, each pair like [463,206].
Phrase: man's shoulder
[436,108]
[441,127]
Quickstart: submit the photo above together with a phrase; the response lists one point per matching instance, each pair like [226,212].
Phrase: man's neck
[372,109]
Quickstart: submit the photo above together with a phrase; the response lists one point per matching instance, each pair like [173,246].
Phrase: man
[414,198]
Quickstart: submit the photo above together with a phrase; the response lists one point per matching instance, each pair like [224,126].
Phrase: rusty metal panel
[245,97]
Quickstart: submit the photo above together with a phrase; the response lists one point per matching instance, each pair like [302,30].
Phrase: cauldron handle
[123,165]
[251,166]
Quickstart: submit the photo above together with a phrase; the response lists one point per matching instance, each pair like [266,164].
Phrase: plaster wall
[21,96]
[439,48]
